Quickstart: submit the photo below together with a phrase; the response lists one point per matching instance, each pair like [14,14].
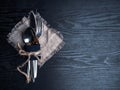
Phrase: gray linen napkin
[50,40]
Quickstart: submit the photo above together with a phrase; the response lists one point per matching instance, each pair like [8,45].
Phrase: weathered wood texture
[90,59]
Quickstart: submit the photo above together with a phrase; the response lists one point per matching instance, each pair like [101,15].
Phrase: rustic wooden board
[90,59]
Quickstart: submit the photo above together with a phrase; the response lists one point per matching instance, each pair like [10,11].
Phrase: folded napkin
[50,40]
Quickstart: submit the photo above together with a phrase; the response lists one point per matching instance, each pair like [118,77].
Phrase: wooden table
[90,59]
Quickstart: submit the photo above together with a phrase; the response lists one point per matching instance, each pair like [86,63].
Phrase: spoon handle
[32,69]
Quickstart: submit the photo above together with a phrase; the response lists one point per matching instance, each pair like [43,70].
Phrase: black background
[90,59]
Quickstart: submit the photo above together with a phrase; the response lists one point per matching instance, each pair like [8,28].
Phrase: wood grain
[90,59]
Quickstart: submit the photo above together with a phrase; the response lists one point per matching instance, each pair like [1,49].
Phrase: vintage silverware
[28,38]
[36,23]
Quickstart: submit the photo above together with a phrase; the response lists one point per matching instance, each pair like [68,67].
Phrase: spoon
[28,37]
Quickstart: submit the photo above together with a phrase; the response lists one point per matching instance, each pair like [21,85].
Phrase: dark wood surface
[90,59]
